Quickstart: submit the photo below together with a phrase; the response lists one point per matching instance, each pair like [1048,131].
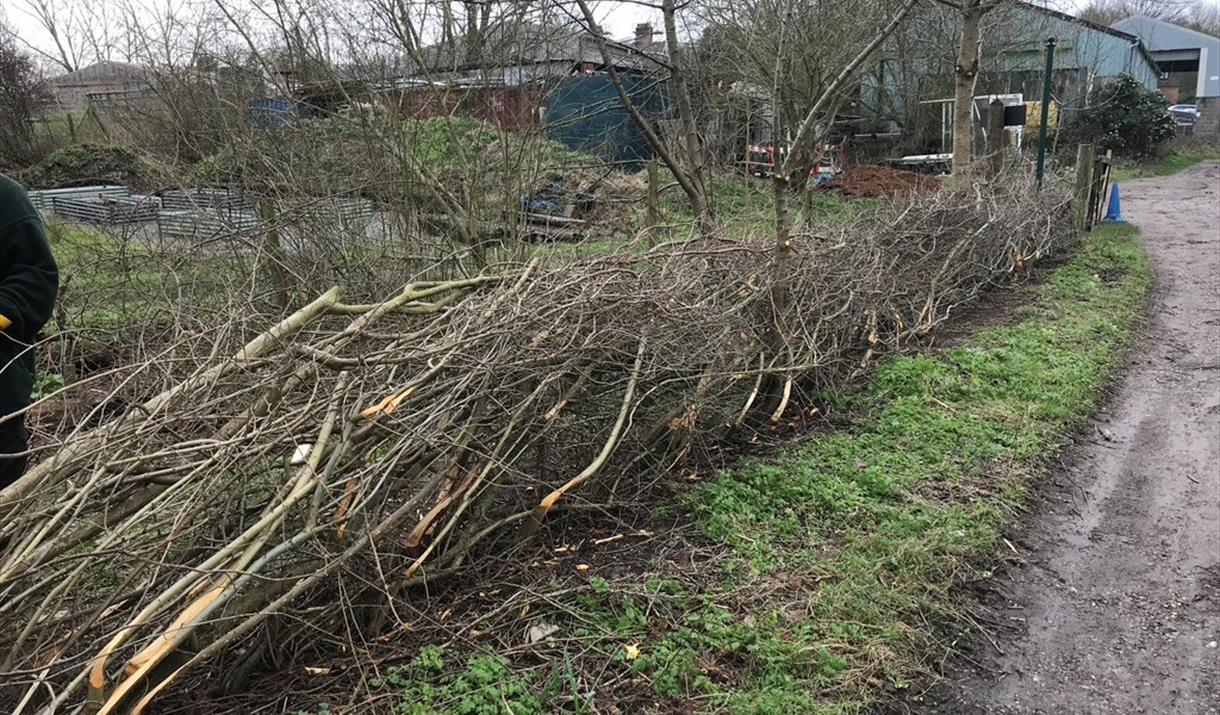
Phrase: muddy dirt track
[1115,606]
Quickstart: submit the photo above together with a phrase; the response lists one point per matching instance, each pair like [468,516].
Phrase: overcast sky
[619,18]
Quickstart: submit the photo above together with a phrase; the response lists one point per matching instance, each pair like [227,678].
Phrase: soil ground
[1114,604]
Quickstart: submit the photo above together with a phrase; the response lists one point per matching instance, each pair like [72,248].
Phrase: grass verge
[1172,163]
[836,560]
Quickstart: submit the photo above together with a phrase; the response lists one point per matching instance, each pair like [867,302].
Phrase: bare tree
[812,130]
[78,32]
[966,72]
[1107,12]
[688,163]
[23,96]
[1205,17]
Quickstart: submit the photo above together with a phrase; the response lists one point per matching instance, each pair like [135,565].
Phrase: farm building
[513,55]
[135,103]
[1188,63]
[1085,53]
[917,70]
[556,79]
[71,90]
[531,78]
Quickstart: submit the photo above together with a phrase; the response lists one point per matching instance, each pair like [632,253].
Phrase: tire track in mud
[1116,606]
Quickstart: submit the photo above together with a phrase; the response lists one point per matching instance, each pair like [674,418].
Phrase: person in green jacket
[29,281]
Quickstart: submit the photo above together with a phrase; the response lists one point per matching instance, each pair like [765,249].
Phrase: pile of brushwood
[870,181]
[89,164]
[331,465]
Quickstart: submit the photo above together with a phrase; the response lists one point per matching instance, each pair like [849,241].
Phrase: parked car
[1184,113]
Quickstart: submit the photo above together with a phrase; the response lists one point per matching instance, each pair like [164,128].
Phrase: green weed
[113,285]
[486,685]
[745,205]
[47,383]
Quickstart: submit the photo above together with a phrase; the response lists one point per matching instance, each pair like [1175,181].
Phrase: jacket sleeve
[27,291]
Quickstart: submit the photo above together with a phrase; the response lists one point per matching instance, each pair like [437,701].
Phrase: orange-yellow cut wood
[388,405]
[188,614]
[155,652]
[417,534]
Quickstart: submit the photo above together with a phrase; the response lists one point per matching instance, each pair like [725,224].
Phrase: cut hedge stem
[440,425]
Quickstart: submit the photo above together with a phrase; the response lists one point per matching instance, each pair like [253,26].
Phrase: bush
[339,155]
[1126,117]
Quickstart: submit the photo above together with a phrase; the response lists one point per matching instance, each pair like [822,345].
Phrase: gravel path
[1118,600]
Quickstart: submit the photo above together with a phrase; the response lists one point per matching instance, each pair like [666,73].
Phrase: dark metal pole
[1046,106]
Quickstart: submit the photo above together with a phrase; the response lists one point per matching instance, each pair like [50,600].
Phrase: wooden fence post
[274,256]
[1104,167]
[1082,199]
[1100,197]
[996,137]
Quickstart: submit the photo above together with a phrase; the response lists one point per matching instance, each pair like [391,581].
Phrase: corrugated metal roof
[530,44]
[102,71]
[1133,39]
[1161,35]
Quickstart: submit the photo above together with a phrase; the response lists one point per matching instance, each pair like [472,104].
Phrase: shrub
[1124,116]
[340,155]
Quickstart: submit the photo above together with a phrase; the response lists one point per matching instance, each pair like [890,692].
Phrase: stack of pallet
[205,213]
[346,211]
[44,199]
[205,199]
[107,210]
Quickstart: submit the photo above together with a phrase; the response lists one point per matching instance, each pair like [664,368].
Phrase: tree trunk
[695,158]
[654,202]
[274,252]
[811,132]
[783,254]
[1081,205]
[965,75]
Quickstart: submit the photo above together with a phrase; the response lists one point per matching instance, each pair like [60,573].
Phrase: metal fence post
[1046,107]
